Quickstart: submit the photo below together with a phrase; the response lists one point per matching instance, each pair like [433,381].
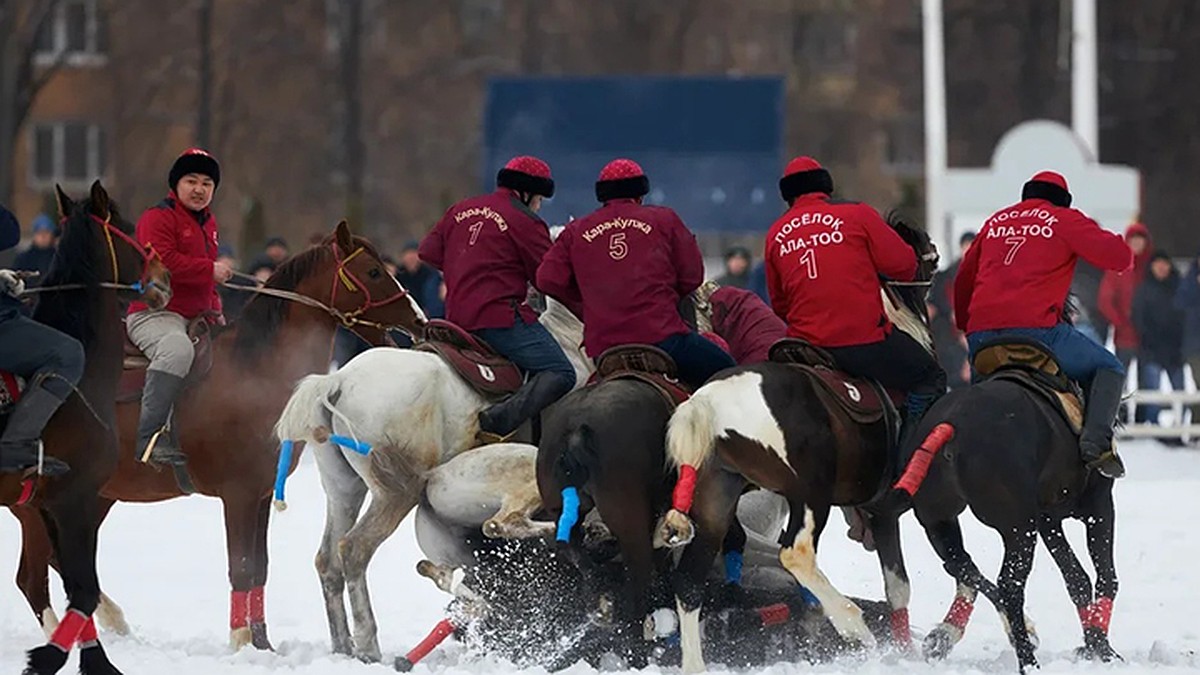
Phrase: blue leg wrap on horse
[281,471]
[570,513]
[733,567]
[808,597]
[361,447]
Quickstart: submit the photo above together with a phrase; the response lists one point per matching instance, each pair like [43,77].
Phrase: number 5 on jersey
[617,248]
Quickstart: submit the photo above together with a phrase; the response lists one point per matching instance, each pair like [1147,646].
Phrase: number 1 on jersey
[810,260]
[476,228]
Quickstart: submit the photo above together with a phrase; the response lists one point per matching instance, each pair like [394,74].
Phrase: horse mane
[263,315]
[905,306]
[77,261]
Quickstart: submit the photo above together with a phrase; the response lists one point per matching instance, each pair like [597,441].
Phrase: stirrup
[1105,458]
[147,456]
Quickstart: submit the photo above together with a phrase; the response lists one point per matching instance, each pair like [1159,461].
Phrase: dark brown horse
[98,269]
[769,426]
[224,422]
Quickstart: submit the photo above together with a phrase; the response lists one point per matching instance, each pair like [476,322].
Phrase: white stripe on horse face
[415,307]
[739,406]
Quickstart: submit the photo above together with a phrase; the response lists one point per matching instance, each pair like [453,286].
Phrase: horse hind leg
[945,536]
[1079,586]
[885,528]
[1100,525]
[800,558]
[1018,562]
[514,518]
[345,492]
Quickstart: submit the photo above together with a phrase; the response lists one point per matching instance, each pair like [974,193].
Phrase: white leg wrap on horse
[800,559]
[49,622]
[689,640]
[111,617]
[239,637]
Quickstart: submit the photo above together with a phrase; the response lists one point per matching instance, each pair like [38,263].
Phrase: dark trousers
[897,362]
[32,350]
[696,358]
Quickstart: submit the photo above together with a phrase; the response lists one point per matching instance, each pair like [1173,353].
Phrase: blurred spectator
[737,268]
[274,252]
[232,300]
[758,281]
[1159,326]
[948,341]
[1116,293]
[40,253]
[422,281]
[1187,300]
[390,264]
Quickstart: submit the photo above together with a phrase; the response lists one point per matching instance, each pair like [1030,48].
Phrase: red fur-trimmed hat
[622,179]
[802,176]
[526,174]
[1047,185]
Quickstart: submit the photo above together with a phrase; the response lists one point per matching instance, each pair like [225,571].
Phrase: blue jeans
[31,350]
[1079,355]
[531,347]
[696,357]
[1150,377]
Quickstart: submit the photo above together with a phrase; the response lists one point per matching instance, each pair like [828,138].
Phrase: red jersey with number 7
[1018,271]
[627,265]
[824,258]
[488,248]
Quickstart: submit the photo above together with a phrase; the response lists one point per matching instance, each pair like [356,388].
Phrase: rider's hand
[222,272]
[11,283]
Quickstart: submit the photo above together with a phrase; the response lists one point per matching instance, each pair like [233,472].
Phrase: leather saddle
[489,373]
[1030,364]
[863,400]
[133,377]
[644,363]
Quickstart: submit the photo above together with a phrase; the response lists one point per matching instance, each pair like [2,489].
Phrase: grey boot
[19,444]
[156,440]
[1095,441]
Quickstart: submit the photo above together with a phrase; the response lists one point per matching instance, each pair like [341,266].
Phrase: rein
[141,286]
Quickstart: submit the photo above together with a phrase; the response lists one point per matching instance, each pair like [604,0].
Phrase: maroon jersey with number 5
[628,265]
[489,248]
[1018,271]
[824,258]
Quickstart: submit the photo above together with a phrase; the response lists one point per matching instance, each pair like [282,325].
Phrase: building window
[75,33]
[70,153]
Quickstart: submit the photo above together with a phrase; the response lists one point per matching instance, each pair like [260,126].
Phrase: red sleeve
[893,257]
[555,277]
[964,285]
[1107,301]
[155,228]
[432,250]
[689,262]
[532,237]
[1104,249]
[774,285]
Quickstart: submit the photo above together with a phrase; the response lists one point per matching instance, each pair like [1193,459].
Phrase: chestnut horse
[97,270]
[224,422]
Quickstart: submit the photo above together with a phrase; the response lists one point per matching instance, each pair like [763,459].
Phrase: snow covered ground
[165,564]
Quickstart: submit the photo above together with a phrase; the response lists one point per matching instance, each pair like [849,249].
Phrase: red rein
[685,487]
[918,466]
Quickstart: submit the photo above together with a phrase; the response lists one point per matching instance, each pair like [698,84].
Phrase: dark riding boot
[19,445]
[915,407]
[499,422]
[156,440]
[1095,442]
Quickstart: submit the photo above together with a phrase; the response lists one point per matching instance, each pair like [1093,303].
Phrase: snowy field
[165,564]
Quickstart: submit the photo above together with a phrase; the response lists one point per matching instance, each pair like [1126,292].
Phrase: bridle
[143,285]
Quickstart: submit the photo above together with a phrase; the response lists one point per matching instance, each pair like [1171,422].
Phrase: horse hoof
[676,530]
[493,530]
[938,643]
[45,660]
[258,637]
[93,661]
[239,637]
[1096,647]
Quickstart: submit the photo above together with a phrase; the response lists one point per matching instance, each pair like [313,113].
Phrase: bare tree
[20,78]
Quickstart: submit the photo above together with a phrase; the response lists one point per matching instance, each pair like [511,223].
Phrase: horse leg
[799,556]
[946,538]
[1019,545]
[1079,586]
[630,518]
[713,506]
[356,549]
[513,520]
[1100,531]
[261,562]
[885,528]
[733,550]
[344,495]
[241,520]
[33,572]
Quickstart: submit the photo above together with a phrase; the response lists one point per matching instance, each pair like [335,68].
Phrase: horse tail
[692,433]
[306,413]
[918,466]
[578,460]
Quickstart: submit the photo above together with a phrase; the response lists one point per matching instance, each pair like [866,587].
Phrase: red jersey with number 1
[1018,272]
[824,258]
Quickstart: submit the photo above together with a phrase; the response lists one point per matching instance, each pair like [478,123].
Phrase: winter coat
[1158,322]
[1115,299]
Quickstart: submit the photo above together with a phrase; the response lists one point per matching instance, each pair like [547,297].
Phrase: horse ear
[342,237]
[100,200]
[65,205]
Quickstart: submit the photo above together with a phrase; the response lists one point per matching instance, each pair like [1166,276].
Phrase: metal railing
[1178,401]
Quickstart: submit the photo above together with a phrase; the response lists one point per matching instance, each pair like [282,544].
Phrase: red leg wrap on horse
[28,487]
[88,636]
[685,487]
[918,466]
[239,609]
[901,631]
[68,631]
[960,612]
[772,615]
[440,632]
[1100,614]
[258,606]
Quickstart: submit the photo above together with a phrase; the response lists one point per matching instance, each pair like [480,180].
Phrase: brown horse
[98,269]
[224,422]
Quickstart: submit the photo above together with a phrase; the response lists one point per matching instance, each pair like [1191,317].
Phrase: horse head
[905,301]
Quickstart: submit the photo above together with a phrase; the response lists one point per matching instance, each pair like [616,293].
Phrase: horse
[97,270]
[1004,450]
[415,413]
[224,421]
[768,425]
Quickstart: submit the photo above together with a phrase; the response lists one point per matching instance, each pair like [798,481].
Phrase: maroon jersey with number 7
[824,258]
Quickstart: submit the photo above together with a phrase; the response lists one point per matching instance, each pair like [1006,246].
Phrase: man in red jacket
[628,265]
[746,322]
[1014,281]
[183,232]
[489,247]
[1115,296]
[825,258]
